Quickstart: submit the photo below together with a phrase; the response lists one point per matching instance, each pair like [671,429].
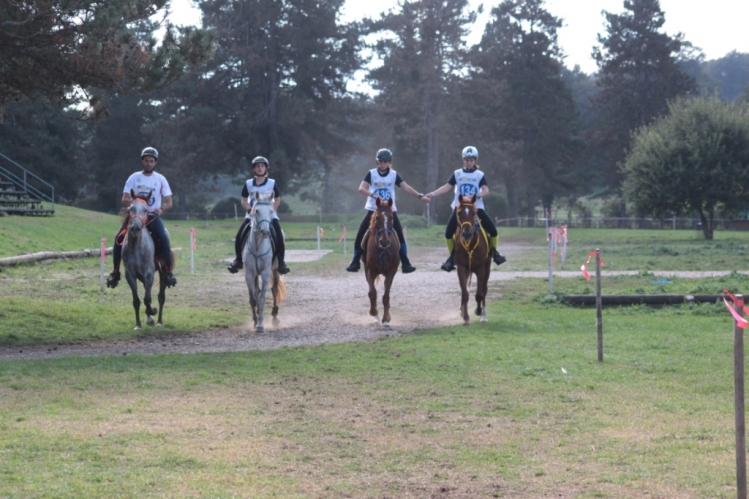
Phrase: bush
[412,221]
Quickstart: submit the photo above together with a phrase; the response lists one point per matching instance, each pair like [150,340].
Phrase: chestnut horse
[381,257]
[472,256]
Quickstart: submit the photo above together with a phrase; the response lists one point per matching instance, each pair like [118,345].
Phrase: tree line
[85,85]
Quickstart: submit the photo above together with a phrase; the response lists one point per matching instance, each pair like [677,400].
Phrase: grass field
[518,407]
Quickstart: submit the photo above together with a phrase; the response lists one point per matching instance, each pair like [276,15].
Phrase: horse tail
[281,287]
[174,262]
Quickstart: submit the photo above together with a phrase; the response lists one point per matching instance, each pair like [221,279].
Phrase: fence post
[192,250]
[738,394]
[599,306]
[551,269]
[103,262]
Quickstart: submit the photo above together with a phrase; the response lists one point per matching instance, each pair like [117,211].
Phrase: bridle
[132,216]
[473,232]
[258,223]
[256,227]
[383,252]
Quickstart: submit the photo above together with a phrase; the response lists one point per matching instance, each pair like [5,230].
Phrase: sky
[716,26]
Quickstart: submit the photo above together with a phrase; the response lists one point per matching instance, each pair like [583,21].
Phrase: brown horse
[472,256]
[381,257]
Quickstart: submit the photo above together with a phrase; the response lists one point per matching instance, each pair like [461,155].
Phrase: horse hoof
[466,324]
[158,324]
[259,329]
[149,321]
[137,328]
[376,319]
[276,322]
[386,324]
[484,319]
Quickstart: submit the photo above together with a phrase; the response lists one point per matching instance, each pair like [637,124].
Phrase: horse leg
[162,298]
[371,276]
[274,291]
[261,300]
[386,299]
[148,284]
[250,281]
[463,274]
[133,283]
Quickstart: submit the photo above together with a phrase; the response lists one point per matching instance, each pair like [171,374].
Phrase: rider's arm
[246,203]
[410,190]
[166,204]
[483,191]
[445,188]
[364,188]
[276,202]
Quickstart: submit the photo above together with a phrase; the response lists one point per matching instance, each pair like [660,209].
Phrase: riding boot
[113,279]
[355,264]
[406,266]
[235,266]
[449,264]
[282,268]
[170,280]
[498,259]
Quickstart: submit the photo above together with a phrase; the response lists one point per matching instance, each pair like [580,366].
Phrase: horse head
[382,221]
[262,214]
[137,213]
[468,220]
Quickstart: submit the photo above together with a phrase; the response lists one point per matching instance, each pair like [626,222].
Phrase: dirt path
[319,310]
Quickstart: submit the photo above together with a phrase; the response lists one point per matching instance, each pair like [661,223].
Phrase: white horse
[260,264]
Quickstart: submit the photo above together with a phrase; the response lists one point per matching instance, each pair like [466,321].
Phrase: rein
[256,228]
[475,230]
[383,254]
[119,239]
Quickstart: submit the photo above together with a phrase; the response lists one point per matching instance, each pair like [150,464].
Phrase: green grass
[474,411]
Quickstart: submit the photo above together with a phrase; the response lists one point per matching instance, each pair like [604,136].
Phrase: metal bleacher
[22,192]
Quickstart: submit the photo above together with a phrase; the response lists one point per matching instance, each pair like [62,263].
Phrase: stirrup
[407,268]
[235,266]
[449,264]
[113,280]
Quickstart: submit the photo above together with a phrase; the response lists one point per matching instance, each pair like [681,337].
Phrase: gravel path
[319,310]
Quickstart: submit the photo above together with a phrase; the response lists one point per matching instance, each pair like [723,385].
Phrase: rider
[262,185]
[468,181]
[142,183]
[380,183]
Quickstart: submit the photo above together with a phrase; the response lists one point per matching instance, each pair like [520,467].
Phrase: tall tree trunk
[707,225]
[512,203]
[182,201]
[530,200]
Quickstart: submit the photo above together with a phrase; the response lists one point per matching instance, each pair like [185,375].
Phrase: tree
[732,73]
[47,49]
[695,160]
[521,104]
[424,52]
[638,75]
[274,88]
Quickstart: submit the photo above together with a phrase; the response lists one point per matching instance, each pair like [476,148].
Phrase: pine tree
[638,75]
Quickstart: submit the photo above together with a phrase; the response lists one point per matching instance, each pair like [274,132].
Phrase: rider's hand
[158,212]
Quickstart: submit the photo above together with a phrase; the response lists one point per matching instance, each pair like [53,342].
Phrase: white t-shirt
[467,184]
[142,184]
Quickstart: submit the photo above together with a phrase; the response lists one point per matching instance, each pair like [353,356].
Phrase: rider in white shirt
[468,181]
[142,183]
[380,183]
[264,186]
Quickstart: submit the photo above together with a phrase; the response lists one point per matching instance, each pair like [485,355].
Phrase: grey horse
[260,264]
[138,257]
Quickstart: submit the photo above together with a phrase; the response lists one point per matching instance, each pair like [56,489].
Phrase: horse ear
[377,201]
[132,194]
[390,202]
[473,199]
[148,198]
[257,196]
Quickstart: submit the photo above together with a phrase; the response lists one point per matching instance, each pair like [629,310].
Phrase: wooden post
[599,306]
[738,395]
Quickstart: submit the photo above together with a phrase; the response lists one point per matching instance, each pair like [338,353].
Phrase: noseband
[474,227]
[138,215]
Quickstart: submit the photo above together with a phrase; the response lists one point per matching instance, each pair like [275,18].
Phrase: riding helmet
[260,159]
[470,152]
[150,151]
[384,155]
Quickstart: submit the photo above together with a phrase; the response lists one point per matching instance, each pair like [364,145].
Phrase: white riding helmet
[470,152]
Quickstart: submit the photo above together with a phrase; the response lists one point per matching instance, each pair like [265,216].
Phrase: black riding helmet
[150,151]
[384,155]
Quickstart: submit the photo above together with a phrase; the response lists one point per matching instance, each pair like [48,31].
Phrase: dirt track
[314,314]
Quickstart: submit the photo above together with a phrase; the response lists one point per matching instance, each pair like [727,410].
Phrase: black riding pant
[278,238]
[365,225]
[160,240]
[486,223]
